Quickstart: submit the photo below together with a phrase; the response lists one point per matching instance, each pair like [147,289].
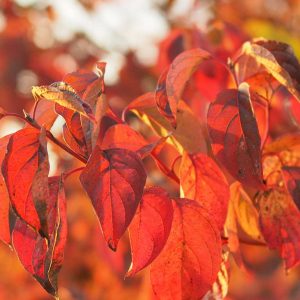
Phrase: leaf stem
[50,136]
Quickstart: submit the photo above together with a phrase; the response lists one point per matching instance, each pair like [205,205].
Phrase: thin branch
[50,136]
[66,175]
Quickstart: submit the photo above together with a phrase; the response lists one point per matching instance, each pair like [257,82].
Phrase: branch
[26,118]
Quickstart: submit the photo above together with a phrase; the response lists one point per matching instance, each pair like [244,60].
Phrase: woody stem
[49,135]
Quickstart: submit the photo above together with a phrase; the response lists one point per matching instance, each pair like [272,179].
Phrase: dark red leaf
[190,261]
[73,131]
[148,237]
[41,257]
[114,180]
[201,179]
[235,137]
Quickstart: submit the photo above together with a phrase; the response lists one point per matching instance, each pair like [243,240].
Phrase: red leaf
[148,237]
[25,169]
[201,179]
[80,80]
[189,263]
[276,58]
[73,131]
[42,258]
[162,100]
[45,114]
[291,176]
[181,69]
[235,137]
[4,197]
[279,220]
[122,136]
[114,180]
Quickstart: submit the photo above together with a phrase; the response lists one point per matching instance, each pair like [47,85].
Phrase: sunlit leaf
[201,179]
[190,261]
[147,238]
[25,169]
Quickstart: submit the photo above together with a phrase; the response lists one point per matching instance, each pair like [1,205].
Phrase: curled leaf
[65,95]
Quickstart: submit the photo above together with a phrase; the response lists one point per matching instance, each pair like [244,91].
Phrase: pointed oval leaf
[202,180]
[114,179]
[25,169]
[235,137]
[148,237]
[190,261]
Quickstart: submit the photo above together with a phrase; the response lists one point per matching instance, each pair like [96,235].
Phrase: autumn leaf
[280,224]
[162,100]
[192,140]
[25,169]
[45,114]
[147,238]
[190,261]
[65,95]
[122,136]
[41,257]
[114,179]
[80,80]
[82,134]
[73,131]
[202,180]
[276,58]
[180,71]
[235,137]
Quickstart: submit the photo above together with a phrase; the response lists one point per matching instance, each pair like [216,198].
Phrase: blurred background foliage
[41,40]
